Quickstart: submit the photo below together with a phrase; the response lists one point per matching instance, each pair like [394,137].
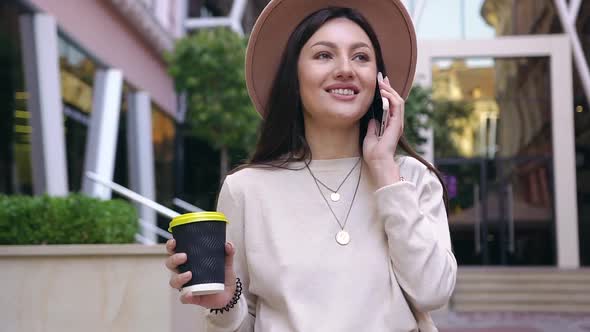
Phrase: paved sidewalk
[512,322]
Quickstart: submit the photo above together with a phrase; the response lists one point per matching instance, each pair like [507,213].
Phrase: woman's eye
[324,56]
[362,57]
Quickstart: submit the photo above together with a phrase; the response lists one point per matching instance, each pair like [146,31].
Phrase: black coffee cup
[201,235]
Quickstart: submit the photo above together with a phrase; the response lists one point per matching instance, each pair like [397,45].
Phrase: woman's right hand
[177,280]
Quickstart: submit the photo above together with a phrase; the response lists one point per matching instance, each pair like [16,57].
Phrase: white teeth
[346,92]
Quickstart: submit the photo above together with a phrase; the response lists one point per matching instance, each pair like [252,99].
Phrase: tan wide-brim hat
[274,26]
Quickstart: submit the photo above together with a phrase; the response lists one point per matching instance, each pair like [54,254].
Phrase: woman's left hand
[378,152]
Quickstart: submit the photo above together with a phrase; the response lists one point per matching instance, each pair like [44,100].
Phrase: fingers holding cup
[172,262]
[178,280]
[171,246]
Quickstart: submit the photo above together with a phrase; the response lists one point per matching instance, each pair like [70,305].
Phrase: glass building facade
[494,139]
[77,71]
[15,130]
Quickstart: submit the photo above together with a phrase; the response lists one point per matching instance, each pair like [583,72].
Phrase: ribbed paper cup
[201,235]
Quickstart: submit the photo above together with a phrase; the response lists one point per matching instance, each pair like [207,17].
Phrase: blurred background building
[512,75]
[81,55]
[504,157]
[502,148]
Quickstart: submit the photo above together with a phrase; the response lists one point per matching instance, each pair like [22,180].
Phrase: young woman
[330,228]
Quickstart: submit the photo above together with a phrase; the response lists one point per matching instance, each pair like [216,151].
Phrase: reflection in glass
[22,171]
[76,130]
[15,129]
[493,142]
[121,172]
[163,135]
[482,19]
[467,111]
[77,72]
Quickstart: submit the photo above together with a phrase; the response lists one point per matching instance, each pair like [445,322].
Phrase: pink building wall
[100,30]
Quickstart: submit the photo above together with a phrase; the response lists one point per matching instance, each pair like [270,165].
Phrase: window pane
[15,129]
[482,19]
[77,72]
[493,143]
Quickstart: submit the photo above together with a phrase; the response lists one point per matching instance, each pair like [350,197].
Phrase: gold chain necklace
[335,195]
[342,237]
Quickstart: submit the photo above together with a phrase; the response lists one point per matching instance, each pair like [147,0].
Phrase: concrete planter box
[90,288]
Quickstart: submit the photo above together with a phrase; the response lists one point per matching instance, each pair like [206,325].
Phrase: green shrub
[66,220]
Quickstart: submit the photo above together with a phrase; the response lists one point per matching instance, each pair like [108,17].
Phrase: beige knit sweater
[298,278]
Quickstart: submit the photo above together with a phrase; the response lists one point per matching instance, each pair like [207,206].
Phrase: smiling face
[337,72]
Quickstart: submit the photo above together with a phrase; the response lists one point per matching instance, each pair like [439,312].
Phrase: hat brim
[389,18]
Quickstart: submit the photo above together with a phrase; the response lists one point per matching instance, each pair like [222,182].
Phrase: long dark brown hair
[282,133]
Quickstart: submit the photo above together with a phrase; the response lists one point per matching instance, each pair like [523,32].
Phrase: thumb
[230,251]
[229,263]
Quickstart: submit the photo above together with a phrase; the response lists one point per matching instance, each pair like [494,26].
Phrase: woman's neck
[332,143]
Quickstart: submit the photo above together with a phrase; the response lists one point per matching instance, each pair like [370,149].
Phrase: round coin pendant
[335,197]
[343,238]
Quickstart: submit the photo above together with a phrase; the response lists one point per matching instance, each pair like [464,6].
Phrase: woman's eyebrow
[333,45]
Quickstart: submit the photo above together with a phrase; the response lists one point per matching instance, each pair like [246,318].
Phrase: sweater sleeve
[419,241]
[242,316]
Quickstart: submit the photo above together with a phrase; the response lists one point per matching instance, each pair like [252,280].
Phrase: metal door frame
[558,49]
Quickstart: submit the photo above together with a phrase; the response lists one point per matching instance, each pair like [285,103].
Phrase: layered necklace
[342,237]
[335,195]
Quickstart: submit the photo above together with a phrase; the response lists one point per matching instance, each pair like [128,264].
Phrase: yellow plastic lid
[188,218]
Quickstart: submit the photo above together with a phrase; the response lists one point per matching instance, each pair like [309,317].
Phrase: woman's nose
[344,69]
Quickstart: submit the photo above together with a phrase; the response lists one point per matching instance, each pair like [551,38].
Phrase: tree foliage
[209,67]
